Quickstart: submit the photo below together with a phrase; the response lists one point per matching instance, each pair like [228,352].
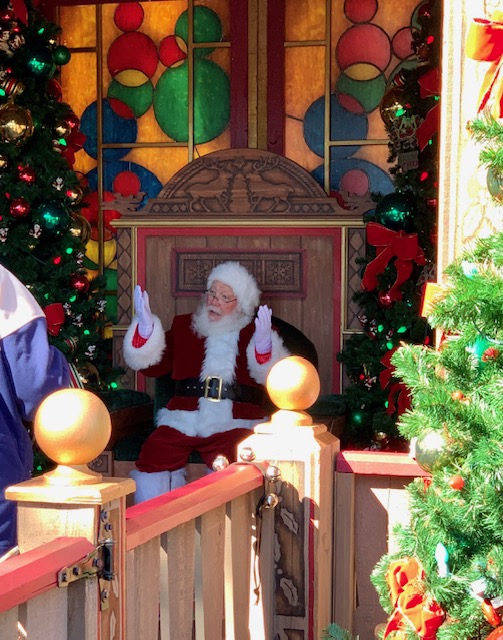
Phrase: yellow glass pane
[78,25]
[304,78]
[305,20]
[78,80]
[163,162]
[296,148]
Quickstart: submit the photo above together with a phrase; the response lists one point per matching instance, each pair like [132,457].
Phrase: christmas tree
[445,579]
[400,239]
[42,234]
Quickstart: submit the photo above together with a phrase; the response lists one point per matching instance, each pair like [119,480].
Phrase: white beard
[204,327]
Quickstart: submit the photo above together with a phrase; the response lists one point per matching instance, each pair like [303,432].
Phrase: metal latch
[99,562]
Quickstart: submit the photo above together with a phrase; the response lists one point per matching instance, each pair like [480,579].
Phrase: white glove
[143,313]
[262,335]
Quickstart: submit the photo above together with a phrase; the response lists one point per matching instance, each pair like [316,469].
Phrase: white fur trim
[150,353]
[259,372]
[151,485]
[241,282]
[209,418]
[18,306]
[221,351]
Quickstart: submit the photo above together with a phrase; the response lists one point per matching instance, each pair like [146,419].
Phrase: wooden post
[72,500]
[301,552]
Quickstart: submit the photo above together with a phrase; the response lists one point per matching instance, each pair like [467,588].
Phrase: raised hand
[263,331]
[143,313]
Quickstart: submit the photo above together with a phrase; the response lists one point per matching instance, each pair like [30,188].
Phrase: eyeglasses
[219,297]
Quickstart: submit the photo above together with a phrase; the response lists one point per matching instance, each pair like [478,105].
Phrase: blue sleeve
[36,368]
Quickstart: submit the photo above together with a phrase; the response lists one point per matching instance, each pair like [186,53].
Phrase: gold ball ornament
[16,123]
[72,427]
[80,228]
[293,383]
[392,106]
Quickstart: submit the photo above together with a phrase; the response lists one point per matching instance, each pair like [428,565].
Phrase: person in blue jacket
[30,369]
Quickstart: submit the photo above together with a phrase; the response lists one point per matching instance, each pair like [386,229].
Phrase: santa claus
[219,358]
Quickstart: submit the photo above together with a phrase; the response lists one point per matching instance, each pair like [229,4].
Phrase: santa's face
[220,301]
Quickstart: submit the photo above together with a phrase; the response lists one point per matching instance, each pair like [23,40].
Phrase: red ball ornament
[19,208]
[80,283]
[496,634]
[490,613]
[27,174]
[456,483]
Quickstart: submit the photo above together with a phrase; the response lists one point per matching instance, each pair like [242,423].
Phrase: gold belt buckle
[213,385]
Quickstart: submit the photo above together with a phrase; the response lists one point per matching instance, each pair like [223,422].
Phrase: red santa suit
[219,392]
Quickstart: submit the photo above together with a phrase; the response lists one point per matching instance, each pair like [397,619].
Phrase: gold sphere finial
[72,427]
[293,385]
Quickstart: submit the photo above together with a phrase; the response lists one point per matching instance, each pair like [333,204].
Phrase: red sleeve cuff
[138,340]
[262,358]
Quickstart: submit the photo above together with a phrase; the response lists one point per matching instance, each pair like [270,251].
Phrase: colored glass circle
[355,181]
[363,43]
[131,78]
[207,27]
[401,43]
[172,50]
[368,94]
[362,71]
[345,125]
[138,99]
[116,129]
[149,183]
[379,180]
[211,101]
[360,10]
[128,16]
[132,51]
[127,183]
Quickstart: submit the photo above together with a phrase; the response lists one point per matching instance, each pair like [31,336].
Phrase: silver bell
[273,474]
[219,463]
[247,454]
[271,500]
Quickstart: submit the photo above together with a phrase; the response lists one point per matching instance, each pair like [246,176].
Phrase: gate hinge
[88,567]
[99,562]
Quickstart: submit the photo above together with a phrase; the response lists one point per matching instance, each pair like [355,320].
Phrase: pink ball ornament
[385,300]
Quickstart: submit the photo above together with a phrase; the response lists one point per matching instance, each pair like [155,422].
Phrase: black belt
[214,388]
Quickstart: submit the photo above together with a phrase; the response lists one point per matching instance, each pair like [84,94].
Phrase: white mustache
[214,310]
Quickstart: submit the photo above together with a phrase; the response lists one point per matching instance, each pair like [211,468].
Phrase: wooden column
[299,560]
[94,511]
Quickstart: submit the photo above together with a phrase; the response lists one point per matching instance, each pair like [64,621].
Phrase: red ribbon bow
[429,85]
[399,396]
[413,610]
[484,42]
[74,142]
[20,10]
[55,315]
[391,244]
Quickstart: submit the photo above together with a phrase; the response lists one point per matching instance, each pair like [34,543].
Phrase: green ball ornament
[478,348]
[52,217]
[495,184]
[397,211]
[61,55]
[40,63]
[430,451]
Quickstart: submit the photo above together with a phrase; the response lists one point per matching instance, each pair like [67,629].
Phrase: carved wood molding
[244,183]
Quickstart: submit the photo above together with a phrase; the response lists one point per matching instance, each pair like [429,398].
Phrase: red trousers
[167,449]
